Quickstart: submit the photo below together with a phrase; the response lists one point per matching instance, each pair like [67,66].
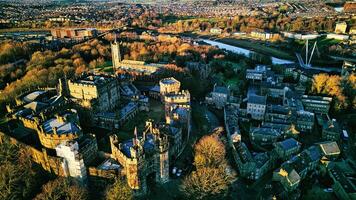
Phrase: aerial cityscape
[177,99]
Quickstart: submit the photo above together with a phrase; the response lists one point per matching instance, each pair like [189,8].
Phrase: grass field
[9,30]
[316,193]
[257,47]
[156,113]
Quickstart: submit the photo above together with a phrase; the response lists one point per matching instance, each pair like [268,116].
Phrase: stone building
[341,27]
[256,106]
[99,93]
[73,162]
[305,121]
[33,106]
[140,67]
[218,97]
[274,89]
[115,54]
[257,74]
[264,137]
[169,85]
[74,33]
[251,166]
[316,104]
[331,130]
[293,171]
[286,148]
[177,108]
[62,128]
[342,174]
[142,156]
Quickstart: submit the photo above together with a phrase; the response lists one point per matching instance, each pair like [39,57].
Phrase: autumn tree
[18,177]
[206,183]
[62,188]
[209,152]
[212,176]
[343,89]
[119,191]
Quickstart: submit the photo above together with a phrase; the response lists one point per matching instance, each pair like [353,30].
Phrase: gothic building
[141,157]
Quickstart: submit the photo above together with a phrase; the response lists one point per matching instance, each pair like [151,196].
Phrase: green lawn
[106,64]
[256,46]
[156,113]
[316,193]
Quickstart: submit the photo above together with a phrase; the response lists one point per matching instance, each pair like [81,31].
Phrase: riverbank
[274,52]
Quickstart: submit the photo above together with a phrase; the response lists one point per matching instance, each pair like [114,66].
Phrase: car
[174,170]
[328,190]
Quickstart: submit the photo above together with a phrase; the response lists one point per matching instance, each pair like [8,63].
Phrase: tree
[18,177]
[206,183]
[212,177]
[119,191]
[209,152]
[62,188]
[319,82]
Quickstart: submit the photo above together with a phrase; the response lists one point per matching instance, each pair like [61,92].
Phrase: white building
[256,74]
[256,106]
[73,162]
[216,31]
[337,36]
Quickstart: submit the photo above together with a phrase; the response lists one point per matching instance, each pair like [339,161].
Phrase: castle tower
[73,163]
[115,53]
[162,175]
[62,87]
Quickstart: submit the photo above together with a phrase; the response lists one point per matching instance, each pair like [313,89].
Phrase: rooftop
[265,131]
[61,125]
[35,106]
[93,79]
[169,81]
[221,89]
[329,148]
[255,99]
[316,98]
[148,145]
[33,96]
[109,164]
[289,143]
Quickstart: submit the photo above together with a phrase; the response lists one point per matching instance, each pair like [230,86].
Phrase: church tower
[115,53]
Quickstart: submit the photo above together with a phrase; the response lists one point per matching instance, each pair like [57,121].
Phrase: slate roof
[35,106]
[293,177]
[33,96]
[255,99]
[169,81]
[109,164]
[329,148]
[265,131]
[148,145]
[289,143]
[221,89]
[313,153]
[62,127]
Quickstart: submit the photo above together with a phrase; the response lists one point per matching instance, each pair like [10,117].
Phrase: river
[245,52]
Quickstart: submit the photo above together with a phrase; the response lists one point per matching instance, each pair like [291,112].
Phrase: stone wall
[51,164]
